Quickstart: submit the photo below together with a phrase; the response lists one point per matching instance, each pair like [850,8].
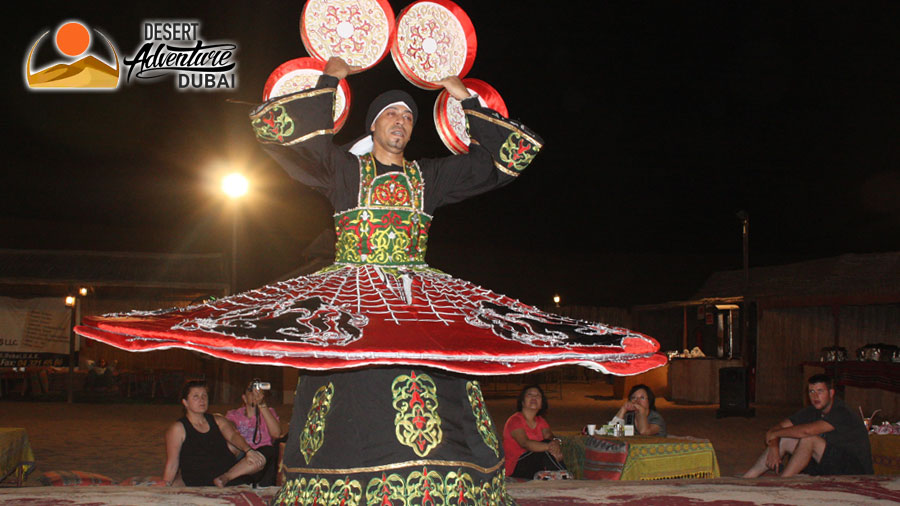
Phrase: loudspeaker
[734,394]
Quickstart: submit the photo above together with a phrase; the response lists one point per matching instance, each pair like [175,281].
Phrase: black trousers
[532,462]
[265,477]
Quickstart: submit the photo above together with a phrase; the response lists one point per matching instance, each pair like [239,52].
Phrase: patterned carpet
[847,490]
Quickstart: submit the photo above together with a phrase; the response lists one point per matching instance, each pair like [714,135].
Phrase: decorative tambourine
[433,39]
[450,119]
[359,31]
[302,74]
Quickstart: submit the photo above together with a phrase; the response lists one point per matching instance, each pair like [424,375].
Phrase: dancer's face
[392,129]
[821,397]
[197,400]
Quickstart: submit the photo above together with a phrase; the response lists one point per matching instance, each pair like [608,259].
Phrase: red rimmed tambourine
[450,120]
[433,39]
[359,31]
[302,74]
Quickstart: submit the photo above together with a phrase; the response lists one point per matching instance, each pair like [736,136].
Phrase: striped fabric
[604,460]
[75,478]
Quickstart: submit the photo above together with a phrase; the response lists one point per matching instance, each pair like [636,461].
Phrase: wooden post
[836,313]
[70,379]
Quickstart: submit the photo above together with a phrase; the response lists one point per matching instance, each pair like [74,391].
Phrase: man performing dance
[395,432]
[385,411]
[823,438]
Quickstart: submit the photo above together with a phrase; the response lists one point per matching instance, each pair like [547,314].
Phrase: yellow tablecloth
[660,458]
[885,453]
[16,457]
[653,458]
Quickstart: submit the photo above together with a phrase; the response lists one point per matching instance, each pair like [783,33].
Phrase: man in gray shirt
[824,438]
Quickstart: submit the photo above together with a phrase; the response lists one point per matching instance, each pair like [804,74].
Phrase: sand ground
[124,440]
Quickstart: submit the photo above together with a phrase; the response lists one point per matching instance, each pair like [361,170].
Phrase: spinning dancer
[392,419]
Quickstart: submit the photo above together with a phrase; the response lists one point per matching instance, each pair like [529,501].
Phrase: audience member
[824,438]
[640,410]
[258,424]
[528,442]
[198,445]
[100,376]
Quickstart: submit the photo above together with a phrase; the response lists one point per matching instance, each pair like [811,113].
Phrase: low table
[649,457]
[885,453]
[16,457]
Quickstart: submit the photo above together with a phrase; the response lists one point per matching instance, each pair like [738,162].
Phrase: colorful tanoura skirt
[392,421]
[392,435]
[349,316]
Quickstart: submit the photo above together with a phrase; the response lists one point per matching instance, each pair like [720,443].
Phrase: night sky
[661,121]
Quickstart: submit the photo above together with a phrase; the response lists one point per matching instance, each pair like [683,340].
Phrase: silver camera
[261,385]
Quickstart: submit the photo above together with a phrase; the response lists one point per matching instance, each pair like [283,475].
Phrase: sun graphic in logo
[72,40]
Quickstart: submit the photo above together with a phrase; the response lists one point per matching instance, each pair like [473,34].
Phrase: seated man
[100,376]
[824,438]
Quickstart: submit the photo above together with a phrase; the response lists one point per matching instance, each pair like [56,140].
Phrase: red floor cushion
[74,478]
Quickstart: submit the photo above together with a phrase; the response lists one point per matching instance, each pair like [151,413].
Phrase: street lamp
[744,217]
[74,303]
[235,186]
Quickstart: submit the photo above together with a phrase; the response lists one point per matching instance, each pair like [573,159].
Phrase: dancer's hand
[455,87]
[337,67]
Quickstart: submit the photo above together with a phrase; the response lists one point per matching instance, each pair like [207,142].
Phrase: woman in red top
[528,443]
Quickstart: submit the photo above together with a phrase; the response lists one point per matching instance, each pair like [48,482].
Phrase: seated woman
[640,410]
[258,424]
[198,444]
[528,443]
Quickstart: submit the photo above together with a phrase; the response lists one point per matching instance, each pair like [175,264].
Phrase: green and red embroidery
[431,488]
[388,226]
[482,418]
[381,236]
[313,434]
[410,179]
[390,192]
[386,490]
[316,490]
[425,487]
[274,126]
[517,152]
[417,423]
[420,487]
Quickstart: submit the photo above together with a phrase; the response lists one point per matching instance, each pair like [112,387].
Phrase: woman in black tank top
[202,446]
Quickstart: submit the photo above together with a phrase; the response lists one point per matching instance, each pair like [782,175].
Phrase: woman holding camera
[259,425]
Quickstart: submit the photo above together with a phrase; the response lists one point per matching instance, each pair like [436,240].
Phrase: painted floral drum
[433,39]
[302,74]
[450,120]
[358,31]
